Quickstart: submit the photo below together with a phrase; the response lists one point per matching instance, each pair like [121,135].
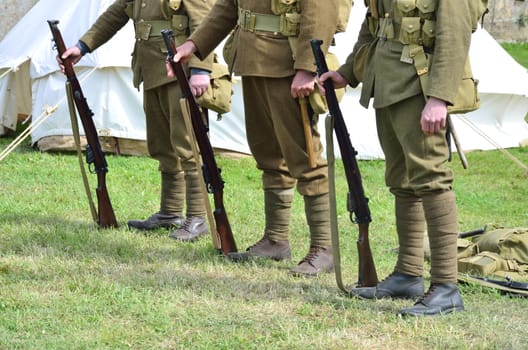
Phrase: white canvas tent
[30,83]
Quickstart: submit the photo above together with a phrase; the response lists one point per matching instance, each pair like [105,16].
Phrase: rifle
[507,285]
[210,170]
[472,233]
[94,152]
[357,203]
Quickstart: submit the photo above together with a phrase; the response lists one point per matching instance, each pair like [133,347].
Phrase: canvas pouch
[218,97]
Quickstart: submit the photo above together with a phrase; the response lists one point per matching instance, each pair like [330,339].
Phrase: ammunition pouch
[467,98]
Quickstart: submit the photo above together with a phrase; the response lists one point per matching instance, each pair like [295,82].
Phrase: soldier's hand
[199,83]
[73,53]
[302,84]
[434,116]
[338,80]
[185,51]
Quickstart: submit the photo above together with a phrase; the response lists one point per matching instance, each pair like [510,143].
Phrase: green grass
[64,284]
[67,285]
[519,51]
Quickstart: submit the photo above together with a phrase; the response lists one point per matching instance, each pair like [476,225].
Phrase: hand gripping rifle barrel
[94,152]
[211,172]
[357,203]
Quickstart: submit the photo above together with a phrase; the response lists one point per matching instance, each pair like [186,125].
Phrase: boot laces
[312,255]
[187,224]
[421,299]
[259,243]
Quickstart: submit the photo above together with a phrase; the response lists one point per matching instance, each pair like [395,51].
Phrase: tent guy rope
[48,111]
[472,125]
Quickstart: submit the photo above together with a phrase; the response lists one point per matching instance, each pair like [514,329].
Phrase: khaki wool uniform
[415,162]
[264,60]
[167,138]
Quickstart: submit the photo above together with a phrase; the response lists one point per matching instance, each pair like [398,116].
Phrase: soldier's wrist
[82,47]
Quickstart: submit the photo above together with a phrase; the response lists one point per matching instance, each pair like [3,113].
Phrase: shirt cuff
[83,47]
[199,71]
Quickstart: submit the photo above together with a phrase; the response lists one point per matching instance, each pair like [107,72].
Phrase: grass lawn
[68,285]
[65,284]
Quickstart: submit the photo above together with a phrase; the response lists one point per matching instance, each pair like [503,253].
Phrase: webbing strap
[148,29]
[253,21]
[215,236]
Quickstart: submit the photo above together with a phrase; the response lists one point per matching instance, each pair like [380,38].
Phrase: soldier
[274,59]
[167,139]
[400,43]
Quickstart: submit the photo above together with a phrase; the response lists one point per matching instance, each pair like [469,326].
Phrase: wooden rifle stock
[211,172]
[94,152]
[357,203]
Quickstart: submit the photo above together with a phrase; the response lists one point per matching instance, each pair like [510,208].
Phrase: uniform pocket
[410,30]
[428,33]
[279,7]
[405,8]
[426,8]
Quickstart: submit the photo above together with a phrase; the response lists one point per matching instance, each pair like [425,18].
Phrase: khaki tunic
[167,139]
[265,62]
[148,57]
[415,163]
[390,80]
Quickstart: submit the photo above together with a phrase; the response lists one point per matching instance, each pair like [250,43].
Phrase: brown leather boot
[265,248]
[274,245]
[192,229]
[318,259]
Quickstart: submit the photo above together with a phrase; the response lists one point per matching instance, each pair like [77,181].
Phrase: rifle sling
[77,138]
[330,157]
[190,131]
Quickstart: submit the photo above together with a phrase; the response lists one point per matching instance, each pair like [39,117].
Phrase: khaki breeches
[276,138]
[414,162]
[167,138]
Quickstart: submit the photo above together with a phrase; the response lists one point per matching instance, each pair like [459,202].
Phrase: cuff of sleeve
[199,71]
[83,47]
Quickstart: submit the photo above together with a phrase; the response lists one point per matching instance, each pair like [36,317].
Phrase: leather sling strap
[77,139]
[330,157]
[190,131]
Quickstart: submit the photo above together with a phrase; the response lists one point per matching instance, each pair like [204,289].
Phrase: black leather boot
[441,298]
[157,220]
[397,286]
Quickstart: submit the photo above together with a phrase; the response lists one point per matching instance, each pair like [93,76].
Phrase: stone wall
[507,20]
[11,11]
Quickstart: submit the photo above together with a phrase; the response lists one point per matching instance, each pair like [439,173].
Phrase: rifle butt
[227,241]
[106,216]
[367,275]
